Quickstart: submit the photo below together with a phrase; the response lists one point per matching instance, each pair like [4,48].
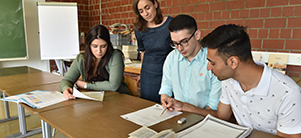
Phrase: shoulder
[117,54]
[79,58]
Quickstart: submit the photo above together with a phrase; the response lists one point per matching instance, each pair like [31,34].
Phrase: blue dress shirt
[190,82]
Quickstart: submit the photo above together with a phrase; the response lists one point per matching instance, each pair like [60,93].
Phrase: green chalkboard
[12,30]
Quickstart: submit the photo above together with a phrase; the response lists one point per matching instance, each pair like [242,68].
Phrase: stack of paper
[130,51]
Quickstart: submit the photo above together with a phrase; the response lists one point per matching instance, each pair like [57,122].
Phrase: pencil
[165,109]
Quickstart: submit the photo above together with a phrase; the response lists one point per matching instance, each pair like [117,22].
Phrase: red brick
[298,11]
[274,44]
[162,3]
[288,11]
[294,22]
[175,10]
[209,16]
[274,33]
[208,31]
[234,14]
[168,3]
[203,25]
[293,2]
[244,14]
[263,33]
[254,3]
[201,1]
[271,50]
[195,16]
[276,12]
[188,2]
[238,4]
[276,2]
[294,68]
[124,2]
[254,23]
[225,14]
[187,9]
[252,33]
[237,22]
[117,3]
[275,23]
[296,33]
[109,5]
[217,6]
[194,1]
[201,16]
[217,15]
[214,24]
[175,3]
[285,33]
[255,43]
[292,74]
[254,13]
[202,8]
[165,10]
[265,12]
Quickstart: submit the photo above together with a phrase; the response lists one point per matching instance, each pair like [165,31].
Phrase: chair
[132,85]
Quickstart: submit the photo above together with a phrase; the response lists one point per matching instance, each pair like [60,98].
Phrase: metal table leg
[22,125]
[46,129]
[7,113]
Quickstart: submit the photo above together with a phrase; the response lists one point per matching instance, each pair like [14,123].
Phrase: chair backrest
[132,85]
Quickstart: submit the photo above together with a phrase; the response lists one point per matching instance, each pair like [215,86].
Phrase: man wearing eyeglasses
[185,74]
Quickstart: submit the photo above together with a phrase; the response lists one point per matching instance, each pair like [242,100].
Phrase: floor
[12,127]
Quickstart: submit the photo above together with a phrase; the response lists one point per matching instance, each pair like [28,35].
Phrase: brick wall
[273,25]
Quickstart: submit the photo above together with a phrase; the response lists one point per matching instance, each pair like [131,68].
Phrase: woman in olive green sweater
[100,67]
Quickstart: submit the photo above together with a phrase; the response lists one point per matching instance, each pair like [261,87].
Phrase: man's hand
[68,93]
[170,103]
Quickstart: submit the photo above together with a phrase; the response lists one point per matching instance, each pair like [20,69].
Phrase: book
[37,99]
[212,127]
[91,95]
[145,132]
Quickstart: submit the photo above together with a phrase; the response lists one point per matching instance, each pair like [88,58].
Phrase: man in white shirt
[258,96]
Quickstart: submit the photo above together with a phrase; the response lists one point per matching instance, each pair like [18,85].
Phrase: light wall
[33,44]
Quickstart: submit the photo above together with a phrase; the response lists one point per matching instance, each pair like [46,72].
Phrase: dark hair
[139,22]
[229,40]
[181,22]
[97,32]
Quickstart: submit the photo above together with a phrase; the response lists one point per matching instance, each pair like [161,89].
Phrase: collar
[263,86]
[201,56]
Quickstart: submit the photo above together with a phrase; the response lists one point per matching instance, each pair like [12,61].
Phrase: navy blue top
[155,43]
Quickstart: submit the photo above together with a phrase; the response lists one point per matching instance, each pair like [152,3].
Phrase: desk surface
[23,81]
[92,119]
[17,70]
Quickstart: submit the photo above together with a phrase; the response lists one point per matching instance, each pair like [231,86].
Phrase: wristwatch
[85,86]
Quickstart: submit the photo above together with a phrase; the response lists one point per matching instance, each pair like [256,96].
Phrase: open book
[92,95]
[37,99]
[145,132]
[212,127]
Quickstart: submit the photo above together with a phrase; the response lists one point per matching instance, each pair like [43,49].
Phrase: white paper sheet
[212,127]
[150,115]
[98,96]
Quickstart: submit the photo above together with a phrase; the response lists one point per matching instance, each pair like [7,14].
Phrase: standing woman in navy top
[153,37]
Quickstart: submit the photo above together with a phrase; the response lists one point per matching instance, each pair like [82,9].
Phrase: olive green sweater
[115,68]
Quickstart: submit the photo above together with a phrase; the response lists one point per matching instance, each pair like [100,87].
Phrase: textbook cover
[37,99]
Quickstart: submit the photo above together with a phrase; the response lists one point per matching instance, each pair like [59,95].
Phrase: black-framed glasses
[183,43]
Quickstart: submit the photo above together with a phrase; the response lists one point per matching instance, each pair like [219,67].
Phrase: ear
[197,35]
[233,62]
[156,4]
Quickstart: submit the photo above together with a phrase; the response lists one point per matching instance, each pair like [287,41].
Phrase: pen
[165,109]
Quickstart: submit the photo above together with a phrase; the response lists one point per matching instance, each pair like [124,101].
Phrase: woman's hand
[80,84]
[68,93]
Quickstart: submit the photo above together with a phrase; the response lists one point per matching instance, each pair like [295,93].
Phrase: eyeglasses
[183,43]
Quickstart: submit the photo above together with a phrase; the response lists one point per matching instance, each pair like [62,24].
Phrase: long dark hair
[139,22]
[97,32]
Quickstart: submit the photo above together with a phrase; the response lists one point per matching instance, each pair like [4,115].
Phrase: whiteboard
[58,30]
